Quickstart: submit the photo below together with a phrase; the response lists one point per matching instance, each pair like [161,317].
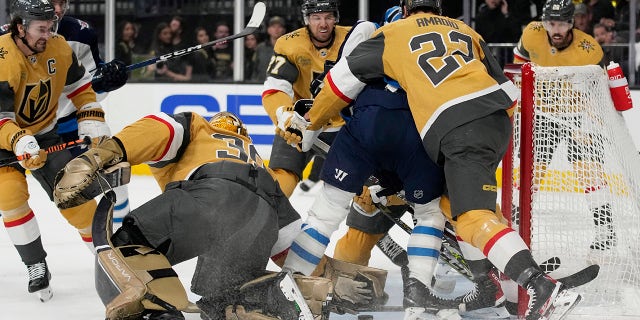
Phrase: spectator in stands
[605,36]
[223,52]
[174,69]
[582,18]
[125,41]
[202,60]
[264,51]
[250,44]
[176,25]
[600,9]
[496,25]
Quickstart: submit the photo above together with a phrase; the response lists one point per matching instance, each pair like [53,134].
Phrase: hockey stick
[52,149]
[259,11]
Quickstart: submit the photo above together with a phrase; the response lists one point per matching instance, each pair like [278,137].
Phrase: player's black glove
[110,76]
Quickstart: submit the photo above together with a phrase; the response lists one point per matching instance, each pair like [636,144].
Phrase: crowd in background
[500,22]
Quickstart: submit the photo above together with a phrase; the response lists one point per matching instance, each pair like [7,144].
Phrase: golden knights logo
[586,45]
[35,101]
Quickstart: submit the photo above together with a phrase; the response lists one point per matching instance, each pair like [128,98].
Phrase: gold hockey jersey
[534,46]
[294,64]
[444,66]
[181,144]
[31,85]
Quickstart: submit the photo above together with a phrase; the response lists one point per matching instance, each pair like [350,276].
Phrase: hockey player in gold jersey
[219,203]
[555,42]
[459,98]
[298,58]
[36,67]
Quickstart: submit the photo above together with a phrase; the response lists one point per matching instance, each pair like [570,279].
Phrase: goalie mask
[229,122]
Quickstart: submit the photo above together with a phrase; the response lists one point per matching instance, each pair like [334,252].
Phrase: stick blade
[259,11]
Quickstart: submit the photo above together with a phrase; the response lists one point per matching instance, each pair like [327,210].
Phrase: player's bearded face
[558,32]
[321,25]
[38,32]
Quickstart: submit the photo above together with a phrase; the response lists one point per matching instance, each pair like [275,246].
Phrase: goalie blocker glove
[110,76]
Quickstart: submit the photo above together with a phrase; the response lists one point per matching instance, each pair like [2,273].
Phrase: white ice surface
[71,265]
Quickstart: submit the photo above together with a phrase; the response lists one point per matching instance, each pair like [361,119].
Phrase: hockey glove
[80,172]
[110,76]
[363,203]
[28,146]
[353,291]
[91,123]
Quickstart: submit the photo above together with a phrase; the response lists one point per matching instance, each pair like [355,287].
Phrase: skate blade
[487,313]
[292,293]
[413,313]
[448,314]
[563,304]
[45,294]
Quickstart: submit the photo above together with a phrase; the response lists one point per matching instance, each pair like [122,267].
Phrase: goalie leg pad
[132,278]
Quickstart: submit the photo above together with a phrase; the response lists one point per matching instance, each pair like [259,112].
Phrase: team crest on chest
[586,45]
[3,52]
[35,101]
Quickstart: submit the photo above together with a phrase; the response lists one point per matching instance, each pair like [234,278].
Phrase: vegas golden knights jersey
[30,86]
[295,63]
[444,66]
[181,144]
[534,46]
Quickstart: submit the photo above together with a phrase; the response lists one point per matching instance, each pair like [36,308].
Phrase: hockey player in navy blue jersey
[83,39]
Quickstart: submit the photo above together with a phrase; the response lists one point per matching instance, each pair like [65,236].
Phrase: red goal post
[571,182]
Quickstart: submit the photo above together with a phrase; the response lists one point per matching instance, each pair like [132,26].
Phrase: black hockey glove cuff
[110,76]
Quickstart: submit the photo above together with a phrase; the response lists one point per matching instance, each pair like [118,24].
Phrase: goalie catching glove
[292,126]
[81,173]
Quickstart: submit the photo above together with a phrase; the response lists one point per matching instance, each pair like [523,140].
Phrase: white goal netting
[580,182]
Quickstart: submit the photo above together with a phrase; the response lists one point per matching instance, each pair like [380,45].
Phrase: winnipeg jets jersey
[295,63]
[84,42]
[181,144]
[444,66]
[534,46]
[30,86]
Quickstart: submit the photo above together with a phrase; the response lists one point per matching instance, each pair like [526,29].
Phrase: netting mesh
[585,184]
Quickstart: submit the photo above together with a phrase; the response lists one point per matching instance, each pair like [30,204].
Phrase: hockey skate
[605,237]
[39,277]
[419,299]
[549,299]
[486,300]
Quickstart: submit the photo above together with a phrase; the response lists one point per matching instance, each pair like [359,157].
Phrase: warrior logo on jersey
[586,45]
[2,53]
[35,101]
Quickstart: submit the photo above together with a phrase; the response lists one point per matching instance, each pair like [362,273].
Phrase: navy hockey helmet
[413,4]
[229,122]
[558,10]
[315,6]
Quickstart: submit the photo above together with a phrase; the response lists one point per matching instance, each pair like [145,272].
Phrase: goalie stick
[58,147]
[259,11]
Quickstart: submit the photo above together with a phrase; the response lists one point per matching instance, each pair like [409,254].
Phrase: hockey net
[574,187]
